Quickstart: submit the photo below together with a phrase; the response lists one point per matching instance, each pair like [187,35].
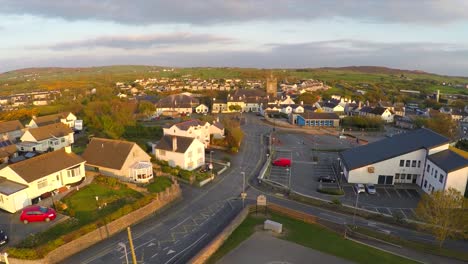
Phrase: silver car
[359,188]
[370,188]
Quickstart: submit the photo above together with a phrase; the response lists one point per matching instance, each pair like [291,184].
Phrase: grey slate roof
[448,160]
[183,143]
[391,147]
[316,115]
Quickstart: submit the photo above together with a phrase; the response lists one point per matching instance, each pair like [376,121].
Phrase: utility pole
[243,194]
[132,249]
[355,208]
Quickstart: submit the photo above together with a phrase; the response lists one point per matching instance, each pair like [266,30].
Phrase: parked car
[36,213]
[282,162]
[3,238]
[326,179]
[370,188]
[359,188]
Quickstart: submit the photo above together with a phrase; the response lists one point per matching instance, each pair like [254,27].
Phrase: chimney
[302,102]
[360,105]
[174,143]
[68,149]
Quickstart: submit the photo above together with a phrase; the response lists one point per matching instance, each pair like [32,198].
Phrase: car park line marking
[409,194]
[387,192]
[404,213]
[396,190]
[389,211]
[154,255]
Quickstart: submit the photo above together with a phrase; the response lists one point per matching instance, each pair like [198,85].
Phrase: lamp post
[211,163]
[355,208]
[243,194]
[122,245]
[288,172]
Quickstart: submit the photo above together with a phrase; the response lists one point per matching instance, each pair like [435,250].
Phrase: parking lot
[391,200]
[305,172]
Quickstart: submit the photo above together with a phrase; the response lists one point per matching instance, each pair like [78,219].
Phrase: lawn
[159,184]
[312,236]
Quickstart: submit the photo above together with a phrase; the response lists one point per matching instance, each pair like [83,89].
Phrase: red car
[36,213]
[282,162]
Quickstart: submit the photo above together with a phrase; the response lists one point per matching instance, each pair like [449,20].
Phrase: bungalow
[46,138]
[185,152]
[67,118]
[316,119]
[116,158]
[11,130]
[29,179]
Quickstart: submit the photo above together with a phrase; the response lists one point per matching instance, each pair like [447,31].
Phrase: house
[193,128]
[67,118]
[404,122]
[219,106]
[117,158]
[288,109]
[381,112]
[29,179]
[404,158]
[185,152]
[201,109]
[7,151]
[11,130]
[315,119]
[333,107]
[46,138]
[180,103]
[217,130]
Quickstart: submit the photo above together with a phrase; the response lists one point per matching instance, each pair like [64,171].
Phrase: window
[413,164]
[428,167]
[425,183]
[408,163]
[441,179]
[42,183]
[74,172]
[397,176]
[435,174]
[408,176]
[62,140]
[402,163]
[56,143]
[162,152]
[419,164]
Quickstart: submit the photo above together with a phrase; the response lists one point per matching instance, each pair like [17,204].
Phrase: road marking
[398,193]
[154,255]
[170,252]
[145,243]
[403,213]
[409,194]
[389,211]
[165,248]
[191,245]
[151,244]
[387,192]
[180,223]
[332,216]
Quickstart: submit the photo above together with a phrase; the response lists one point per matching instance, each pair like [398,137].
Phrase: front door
[389,180]
[381,179]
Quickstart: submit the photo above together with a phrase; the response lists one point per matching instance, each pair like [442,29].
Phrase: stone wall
[218,241]
[104,232]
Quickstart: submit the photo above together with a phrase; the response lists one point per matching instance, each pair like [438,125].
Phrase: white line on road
[180,222]
[145,243]
[409,194]
[387,192]
[191,245]
[404,214]
[398,193]
[154,255]
[332,216]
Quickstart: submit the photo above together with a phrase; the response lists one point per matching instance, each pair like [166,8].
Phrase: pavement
[264,247]
[179,232]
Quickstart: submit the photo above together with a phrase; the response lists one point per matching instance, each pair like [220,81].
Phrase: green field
[312,236]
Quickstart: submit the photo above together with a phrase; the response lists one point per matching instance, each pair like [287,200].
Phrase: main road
[179,232]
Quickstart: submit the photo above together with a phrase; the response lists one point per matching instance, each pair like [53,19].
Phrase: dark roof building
[448,160]
[9,126]
[107,152]
[175,143]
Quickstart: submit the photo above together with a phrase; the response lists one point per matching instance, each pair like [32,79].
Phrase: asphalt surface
[179,232]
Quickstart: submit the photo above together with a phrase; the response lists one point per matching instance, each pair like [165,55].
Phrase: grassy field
[312,236]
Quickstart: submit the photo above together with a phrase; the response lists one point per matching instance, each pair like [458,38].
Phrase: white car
[370,188]
[359,188]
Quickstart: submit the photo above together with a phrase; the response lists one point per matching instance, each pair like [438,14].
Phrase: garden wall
[164,198]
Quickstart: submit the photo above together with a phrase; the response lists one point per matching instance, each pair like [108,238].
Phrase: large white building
[421,157]
[185,152]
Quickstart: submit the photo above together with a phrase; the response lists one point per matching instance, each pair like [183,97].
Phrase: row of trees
[363,122]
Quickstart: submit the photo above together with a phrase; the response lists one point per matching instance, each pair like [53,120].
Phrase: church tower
[271,86]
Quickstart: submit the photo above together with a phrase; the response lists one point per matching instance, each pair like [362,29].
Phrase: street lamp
[355,208]
[122,245]
[288,172]
[243,194]
[211,163]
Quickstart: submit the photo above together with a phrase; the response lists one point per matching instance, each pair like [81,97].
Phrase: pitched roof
[49,131]
[40,166]
[391,147]
[107,153]
[183,143]
[50,119]
[218,125]
[8,126]
[330,104]
[189,123]
[317,115]
[8,187]
[378,110]
[448,160]
[178,101]
[7,148]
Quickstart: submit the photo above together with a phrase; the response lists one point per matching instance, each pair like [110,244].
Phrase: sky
[426,35]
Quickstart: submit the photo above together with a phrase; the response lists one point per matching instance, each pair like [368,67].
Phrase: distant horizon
[349,67]
[399,34]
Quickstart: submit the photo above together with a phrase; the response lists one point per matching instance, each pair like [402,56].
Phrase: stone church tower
[271,86]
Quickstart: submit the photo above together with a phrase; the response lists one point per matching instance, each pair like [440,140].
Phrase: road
[179,232]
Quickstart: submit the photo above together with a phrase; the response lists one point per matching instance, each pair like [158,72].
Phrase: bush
[330,191]
[159,184]
[185,174]
[108,181]
[336,201]
[23,253]
[166,169]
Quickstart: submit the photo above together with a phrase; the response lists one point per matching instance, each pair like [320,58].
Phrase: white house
[288,109]
[185,152]
[11,130]
[201,109]
[384,113]
[45,138]
[193,128]
[332,107]
[23,181]
[180,103]
[67,118]
[403,159]
[217,130]
[117,158]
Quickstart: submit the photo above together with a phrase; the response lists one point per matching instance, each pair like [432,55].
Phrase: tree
[440,123]
[235,108]
[444,214]
[146,108]
[308,98]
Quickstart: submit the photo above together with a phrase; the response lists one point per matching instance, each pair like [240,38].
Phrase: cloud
[431,57]
[431,12]
[141,41]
